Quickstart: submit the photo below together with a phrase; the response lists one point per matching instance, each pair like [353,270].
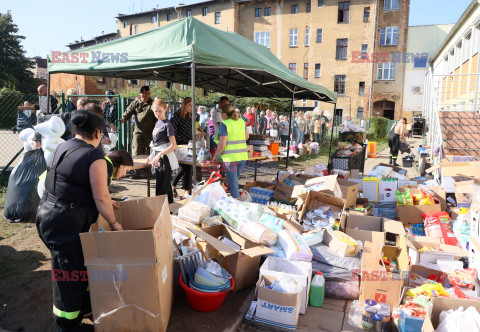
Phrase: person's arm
[247,135]
[172,147]
[129,112]
[103,201]
[222,142]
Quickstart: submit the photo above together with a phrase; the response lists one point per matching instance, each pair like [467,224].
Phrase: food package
[438,225]
[294,246]
[194,212]
[314,237]
[404,198]
[272,222]
[463,278]
[430,290]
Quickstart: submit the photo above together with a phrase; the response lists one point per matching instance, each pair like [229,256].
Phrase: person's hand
[149,161]
[156,160]
[122,120]
[112,128]
[115,205]
[116,227]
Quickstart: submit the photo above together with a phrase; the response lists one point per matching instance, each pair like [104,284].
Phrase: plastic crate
[356,161]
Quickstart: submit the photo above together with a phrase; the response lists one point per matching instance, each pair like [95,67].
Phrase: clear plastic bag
[342,290]
[459,320]
[211,194]
[323,254]
[285,284]
[355,314]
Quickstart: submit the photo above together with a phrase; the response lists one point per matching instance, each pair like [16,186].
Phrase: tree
[14,65]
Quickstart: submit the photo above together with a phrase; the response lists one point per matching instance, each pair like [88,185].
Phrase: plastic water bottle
[317,290]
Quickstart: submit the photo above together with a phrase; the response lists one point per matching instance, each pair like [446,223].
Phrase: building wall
[90,85]
[391,90]
[421,39]
[324,17]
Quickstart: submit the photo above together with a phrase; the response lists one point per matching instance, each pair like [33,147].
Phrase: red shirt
[251,119]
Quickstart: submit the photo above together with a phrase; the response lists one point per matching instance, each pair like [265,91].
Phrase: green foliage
[10,99]
[14,65]
[378,127]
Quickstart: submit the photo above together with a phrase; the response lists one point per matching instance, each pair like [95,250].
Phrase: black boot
[390,161]
[395,162]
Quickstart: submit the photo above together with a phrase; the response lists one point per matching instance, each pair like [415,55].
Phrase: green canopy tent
[193,53]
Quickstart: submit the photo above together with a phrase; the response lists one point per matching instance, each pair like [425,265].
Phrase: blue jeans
[300,137]
[232,171]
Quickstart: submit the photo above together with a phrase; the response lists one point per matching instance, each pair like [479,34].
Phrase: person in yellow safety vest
[232,146]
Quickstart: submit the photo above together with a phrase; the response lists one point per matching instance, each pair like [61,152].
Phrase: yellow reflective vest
[236,148]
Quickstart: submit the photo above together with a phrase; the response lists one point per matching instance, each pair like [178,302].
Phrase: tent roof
[225,62]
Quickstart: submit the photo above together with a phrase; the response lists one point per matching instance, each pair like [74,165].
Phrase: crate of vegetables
[349,156]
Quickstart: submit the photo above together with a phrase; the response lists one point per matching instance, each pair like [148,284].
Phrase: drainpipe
[370,105]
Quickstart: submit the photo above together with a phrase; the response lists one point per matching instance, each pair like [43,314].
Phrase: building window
[133,82]
[366,14]
[458,54]
[360,113]
[309,7]
[364,51]
[320,3]
[451,62]
[293,37]
[319,35]
[361,88]
[268,11]
[343,11]
[204,11]
[390,5]
[189,13]
[315,103]
[420,62]
[294,9]
[258,12]
[341,49]
[305,70]
[263,38]
[339,86]
[101,80]
[317,70]
[169,17]
[154,19]
[135,29]
[217,17]
[467,48]
[445,65]
[389,36]
[292,67]
[476,38]
[386,71]
[307,37]
[125,24]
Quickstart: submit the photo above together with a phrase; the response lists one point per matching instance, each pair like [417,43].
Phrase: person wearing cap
[109,108]
[262,130]
[145,120]
[72,101]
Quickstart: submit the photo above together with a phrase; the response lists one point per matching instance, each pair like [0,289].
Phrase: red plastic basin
[205,302]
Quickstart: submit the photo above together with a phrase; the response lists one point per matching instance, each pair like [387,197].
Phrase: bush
[10,99]
[378,127]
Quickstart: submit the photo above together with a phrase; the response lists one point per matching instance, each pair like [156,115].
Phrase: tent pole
[194,114]
[235,102]
[331,138]
[169,99]
[290,127]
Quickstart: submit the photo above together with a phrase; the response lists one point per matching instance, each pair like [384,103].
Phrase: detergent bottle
[317,290]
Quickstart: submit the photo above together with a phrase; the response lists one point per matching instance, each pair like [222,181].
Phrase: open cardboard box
[277,307]
[412,214]
[376,283]
[439,304]
[315,199]
[242,264]
[260,184]
[372,229]
[140,259]
[432,254]
[469,168]
[301,182]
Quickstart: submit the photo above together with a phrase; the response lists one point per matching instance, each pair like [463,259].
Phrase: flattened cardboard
[242,264]
[282,308]
[140,259]
[439,304]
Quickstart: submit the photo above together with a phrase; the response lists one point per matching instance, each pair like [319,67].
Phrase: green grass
[3,190]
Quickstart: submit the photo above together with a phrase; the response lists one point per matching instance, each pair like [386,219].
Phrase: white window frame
[386,68]
[293,67]
[388,32]
[293,41]
[467,46]
[319,70]
[445,64]
[451,62]
[218,17]
[319,32]
[204,11]
[307,36]
[188,13]
[304,103]
[364,54]
[135,29]
[154,19]
[169,17]
[476,39]
[262,38]
[391,4]
[458,54]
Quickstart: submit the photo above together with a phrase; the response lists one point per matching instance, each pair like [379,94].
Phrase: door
[384,108]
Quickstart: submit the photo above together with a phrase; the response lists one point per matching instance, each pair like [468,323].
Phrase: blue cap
[376,317]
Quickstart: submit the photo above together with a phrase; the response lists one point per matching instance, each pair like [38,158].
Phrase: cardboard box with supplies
[276,307]
[440,304]
[316,199]
[259,184]
[373,229]
[242,264]
[386,190]
[140,259]
[412,214]
[299,271]
[427,250]
[340,243]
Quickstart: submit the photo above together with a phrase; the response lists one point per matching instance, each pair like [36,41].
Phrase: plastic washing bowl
[205,302]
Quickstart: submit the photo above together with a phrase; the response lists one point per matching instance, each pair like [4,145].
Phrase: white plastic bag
[194,212]
[245,196]
[286,284]
[459,320]
[294,245]
[27,135]
[211,194]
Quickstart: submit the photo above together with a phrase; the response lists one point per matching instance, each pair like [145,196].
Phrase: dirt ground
[25,286]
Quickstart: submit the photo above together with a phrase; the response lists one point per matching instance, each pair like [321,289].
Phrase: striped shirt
[183,128]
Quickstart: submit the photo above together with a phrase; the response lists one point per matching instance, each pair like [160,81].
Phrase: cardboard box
[139,259]
[439,304]
[372,229]
[432,254]
[349,191]
[387,189]
[370,189]
[242,264]
[409,214]
[376,283]
[464,193]
[259,184]
[424,272]
[337,242]
[277,307]
[447,168]
[250,151]
[299,271]
[284,192]
[315,199]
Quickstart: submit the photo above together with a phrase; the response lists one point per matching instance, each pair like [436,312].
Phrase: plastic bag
[323,254]
[22,199]
[463,278]
[211,194]
[333,273]
[27,136]
[245,196]
[212,221]
[459,320]
[438,225]
[461,229]
[404,198]
[294,246]
[272,222]
[429,290]
[194,212]
[355,314]
[285,284]
[342,290]
[114,139]
[314,237]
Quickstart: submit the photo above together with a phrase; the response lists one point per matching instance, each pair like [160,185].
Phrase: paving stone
[320,319]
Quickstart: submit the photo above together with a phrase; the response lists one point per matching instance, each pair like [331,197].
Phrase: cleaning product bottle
[317,290]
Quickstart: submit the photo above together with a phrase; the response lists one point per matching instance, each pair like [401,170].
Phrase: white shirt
[217,118]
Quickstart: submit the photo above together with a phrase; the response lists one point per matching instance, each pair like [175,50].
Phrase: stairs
[460,132]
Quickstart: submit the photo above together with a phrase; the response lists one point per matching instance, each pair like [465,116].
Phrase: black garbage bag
[22,198]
